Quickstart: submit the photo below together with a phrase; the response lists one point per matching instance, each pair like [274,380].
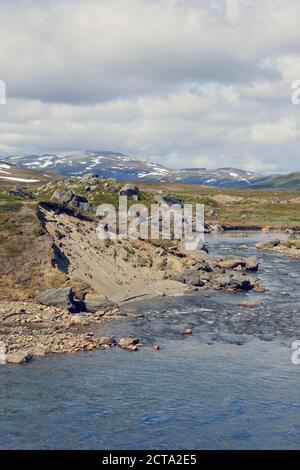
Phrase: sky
[185,83]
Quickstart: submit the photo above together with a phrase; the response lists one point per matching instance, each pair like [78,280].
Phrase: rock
[250,303]
[78,320]
[235,282]
[191,278]
[108,341]
[81,202]
[215,228]
[17,357]
[167,200]
[132,347]
[99,303]
[187,331]
[124,343]
[251,264]
[130,190]
[80,289]
[265,230]
[268,245]
[211,214]
[67,197]
[59,297]
[21,192]
[90,177]
[63,196]
[229,263]
[259,290]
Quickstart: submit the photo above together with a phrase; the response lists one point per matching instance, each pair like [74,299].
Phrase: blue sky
[184,83]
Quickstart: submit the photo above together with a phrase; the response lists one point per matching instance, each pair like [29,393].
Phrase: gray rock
[21,192]
[94,304]
[168,200]
[17,357]
[59,297]
[63,196]
[191,278]
[130,190]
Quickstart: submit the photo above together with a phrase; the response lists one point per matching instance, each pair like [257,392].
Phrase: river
[229,385]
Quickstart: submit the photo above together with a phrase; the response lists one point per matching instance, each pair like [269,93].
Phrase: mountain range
[126,168]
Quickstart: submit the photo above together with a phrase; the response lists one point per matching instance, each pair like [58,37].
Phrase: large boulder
[130,190]
[251,264]
[59,297]
[63,196]
[82,203]
[235,282]
[68,198]
[191,278]
[95,304]
[17,357]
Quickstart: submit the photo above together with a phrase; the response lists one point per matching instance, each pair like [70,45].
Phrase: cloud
[185,83]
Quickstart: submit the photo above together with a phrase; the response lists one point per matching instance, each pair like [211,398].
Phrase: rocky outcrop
[19,191]
[60,297]
[68,198]
[247,264]
[235,282]
[130,190]
[289,247]
[31,329]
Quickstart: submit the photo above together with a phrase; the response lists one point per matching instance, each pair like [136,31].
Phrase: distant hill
[286,181]
[10,173]
[126,168]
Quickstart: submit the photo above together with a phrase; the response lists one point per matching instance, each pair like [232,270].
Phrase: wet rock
[248,264]
[108,341]
[187,331]
[60,297]
[250,303]
[235,282]
[124,343]
[17,357]
[251,264]
[268,245]
[229,263]
[130,190]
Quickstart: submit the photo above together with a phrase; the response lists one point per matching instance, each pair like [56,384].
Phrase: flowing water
[229,385]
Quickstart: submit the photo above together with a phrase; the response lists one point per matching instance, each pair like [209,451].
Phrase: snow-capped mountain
[127,168]
[16,175]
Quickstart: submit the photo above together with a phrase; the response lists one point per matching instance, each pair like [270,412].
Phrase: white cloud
[186,83]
